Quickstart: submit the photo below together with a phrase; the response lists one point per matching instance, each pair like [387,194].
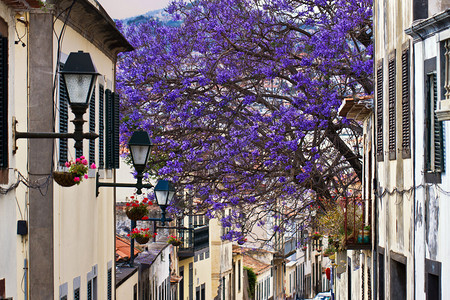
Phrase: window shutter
[406,107]
[109,130]
[101,127]
[92,127]
[76,294]
[3,102]
[63,118]
[380,113]
[438,143]
[109,285]
[89,290]
[392,123]
[116,142]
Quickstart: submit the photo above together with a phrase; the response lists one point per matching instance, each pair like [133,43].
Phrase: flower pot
[142,239]
[64,178]
[135,214]
[176,243]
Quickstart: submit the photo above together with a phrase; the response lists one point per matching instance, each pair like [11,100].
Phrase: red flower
[128,204]
[145,218]
[131,197]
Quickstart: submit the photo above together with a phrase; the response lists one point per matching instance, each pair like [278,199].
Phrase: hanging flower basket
[64,178]
[136,209]
[135,214]
[142,239]
[141,235]
[174,241]
[316,235]
[77,171]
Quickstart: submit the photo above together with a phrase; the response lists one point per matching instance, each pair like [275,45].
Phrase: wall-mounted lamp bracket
[78,135]
[138,185]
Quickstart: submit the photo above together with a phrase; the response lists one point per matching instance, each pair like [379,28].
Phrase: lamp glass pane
[78,87]
[171,194]
[161,197]
[140,154]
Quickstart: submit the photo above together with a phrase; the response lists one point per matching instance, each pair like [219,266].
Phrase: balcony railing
[357,228]
[193,239]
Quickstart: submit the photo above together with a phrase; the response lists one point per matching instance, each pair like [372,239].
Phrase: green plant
[367,227]
[79,168]
[136,209]
[251,276]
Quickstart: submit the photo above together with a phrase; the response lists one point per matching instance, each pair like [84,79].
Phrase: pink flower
[82,157]
[76,179]
[77,160]
[67,164]
[84,162]
[93,166]
[86,176]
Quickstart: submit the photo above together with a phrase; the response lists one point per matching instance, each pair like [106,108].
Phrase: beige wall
[126,290]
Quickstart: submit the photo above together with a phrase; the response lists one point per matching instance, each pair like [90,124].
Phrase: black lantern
[79,75]
[164,192]
[139,146]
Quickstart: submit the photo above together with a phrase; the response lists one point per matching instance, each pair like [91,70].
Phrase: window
[3,99]
[112,130]
[406,106]
[63,118]
[92,127]
[239,275]
[434,130]
[392,107]
[109,284]
[101,127]
[380,112]
[433,279]
[76,294]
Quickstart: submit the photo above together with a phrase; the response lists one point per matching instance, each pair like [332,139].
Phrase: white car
[323,296]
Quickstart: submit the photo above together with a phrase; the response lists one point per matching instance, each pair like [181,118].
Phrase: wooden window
[109,285]
[63,118]
[92,127]
[89,290]
[392,114]
[101,127]
[379,99]
[406,106]
[434,130]
[112,130]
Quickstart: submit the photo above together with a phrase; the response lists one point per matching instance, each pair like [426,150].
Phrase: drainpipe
[374,216]
[25,279]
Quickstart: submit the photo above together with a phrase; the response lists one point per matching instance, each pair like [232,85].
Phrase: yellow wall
[126,289]
[83,224]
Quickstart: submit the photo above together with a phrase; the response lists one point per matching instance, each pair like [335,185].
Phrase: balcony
[290,246]
[357,229]
[193,239]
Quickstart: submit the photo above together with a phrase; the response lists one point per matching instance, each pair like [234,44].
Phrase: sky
[120,9]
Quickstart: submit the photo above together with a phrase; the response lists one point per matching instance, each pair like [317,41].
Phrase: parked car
[323,296]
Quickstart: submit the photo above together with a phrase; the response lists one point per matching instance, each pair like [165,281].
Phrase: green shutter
[109,128]
[63,118]
[392,114]
[101,127]
[406,107]
[109,285]
[92,127]
[380,112]
[3,102]
[116,142]
[89,290]
[438,142]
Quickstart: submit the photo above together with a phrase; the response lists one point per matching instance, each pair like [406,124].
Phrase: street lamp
[79,75]
[139,146]
[164,192]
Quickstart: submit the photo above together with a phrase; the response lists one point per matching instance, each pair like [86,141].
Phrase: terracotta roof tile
[123,248]
[257,266]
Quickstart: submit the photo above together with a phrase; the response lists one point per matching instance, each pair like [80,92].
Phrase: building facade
[65,245]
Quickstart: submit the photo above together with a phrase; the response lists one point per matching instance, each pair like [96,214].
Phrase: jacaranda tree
[241,101]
